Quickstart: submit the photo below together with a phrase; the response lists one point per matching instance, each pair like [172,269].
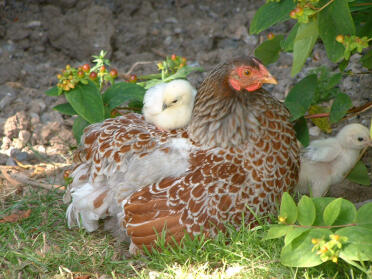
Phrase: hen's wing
[324,150]
[118,157]
[214,191]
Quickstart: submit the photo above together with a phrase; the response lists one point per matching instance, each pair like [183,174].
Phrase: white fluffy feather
[169,105]
[326,161]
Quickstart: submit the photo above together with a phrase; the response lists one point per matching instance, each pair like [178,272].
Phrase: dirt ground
[38,38]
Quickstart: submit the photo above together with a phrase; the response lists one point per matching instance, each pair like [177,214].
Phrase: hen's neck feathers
[222,116]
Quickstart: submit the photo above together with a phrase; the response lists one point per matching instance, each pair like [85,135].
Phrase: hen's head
[354,136]
[248,74]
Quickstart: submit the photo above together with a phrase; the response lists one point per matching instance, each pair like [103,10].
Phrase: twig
[127,74]
[19,179]
[325,6]
[351,112]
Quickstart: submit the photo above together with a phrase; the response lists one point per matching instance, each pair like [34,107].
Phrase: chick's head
[178,93]
[355,136]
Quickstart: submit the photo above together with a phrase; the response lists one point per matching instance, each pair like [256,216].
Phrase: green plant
[317,230]
[344,27]
[93,95]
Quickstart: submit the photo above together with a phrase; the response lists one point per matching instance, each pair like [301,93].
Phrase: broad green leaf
[78,127]
[300,97]
[298,253]
[322,123]
[334,80]
[87,102]
[367,60]
[320,204]
[341,104]
[293,234]
[332,211]
[65,108]
[122,92]
[347,213]
[287,44]
[359,174]
[302,131]
[306,36]
[52,91]
[269,14]
[277,231]
[268,51]
[306,211]
[359,244]
[364,215]
[288,209]
[335,19]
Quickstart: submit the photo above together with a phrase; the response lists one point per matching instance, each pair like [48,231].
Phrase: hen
[326,161]
[239,153]
[169,105]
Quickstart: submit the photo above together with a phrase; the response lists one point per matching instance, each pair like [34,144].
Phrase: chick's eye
[360,139]
[174,101]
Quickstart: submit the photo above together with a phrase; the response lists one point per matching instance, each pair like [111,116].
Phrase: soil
[38,38]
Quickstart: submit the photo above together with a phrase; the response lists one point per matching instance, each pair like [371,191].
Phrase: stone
[15,123]
[81,34]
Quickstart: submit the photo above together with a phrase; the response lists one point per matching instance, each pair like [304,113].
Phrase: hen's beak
[269,79]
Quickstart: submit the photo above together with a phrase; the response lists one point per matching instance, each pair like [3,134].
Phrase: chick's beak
[164,106]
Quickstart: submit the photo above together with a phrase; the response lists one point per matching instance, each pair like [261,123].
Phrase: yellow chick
[326,161]
[169,105]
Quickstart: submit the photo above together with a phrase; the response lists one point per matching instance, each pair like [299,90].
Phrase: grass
[42,246]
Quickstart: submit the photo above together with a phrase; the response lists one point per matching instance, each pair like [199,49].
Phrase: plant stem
[151,76]
[324,227]
[325,6]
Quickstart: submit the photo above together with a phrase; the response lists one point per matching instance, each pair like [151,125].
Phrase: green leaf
[122,92]
[306,36]
[367,60]
[300,97]
[359,174]
[364,215]
[87,102]
[78,127]
[270,14]
[306,211]
[342,103]
[320,204]
[276,231]
[334,80]
[268,51]
[52,91]
[287,44]
[347,213]
[65,108]
[332,211]
[288,209]
[298,253]
[359,244]
[302,131]
[335,19]
[343,64]
[293,234]
[323,122]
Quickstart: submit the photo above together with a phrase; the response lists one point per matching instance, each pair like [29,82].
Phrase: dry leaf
[15,217]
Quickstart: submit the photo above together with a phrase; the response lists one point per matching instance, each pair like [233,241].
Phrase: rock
[14,124]
[35,118]
[7,142]
[37,106]
[7,95]
[8,69]
[51,116]
[17,31]
[19,155]
[11,162]
[24,136]
[81,34]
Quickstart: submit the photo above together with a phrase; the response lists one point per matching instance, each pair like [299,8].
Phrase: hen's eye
[246,72]
[360,139]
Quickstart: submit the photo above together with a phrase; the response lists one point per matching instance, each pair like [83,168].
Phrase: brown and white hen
[238,151]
